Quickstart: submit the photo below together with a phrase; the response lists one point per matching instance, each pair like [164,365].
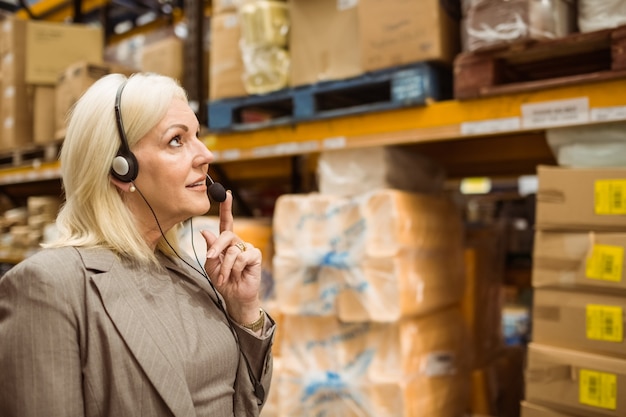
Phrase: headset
[125,168]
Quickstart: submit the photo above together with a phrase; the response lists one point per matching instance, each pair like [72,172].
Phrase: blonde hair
[94,213]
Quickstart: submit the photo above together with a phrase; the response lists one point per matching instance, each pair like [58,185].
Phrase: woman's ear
[126,187]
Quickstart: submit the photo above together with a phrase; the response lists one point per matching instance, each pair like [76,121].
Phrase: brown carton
[579,260]
[333,40]
[16,113]
[581,320]
[577,383]
[581,199]
[226,67]
[164,56]
[73,82]
[43,114]
[52,46]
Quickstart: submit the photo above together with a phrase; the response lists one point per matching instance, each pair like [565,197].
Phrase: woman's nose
[203,151]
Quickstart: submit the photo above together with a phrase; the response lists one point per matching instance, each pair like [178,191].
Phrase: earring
[132,188]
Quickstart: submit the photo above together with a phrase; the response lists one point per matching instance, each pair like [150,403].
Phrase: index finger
[226,213]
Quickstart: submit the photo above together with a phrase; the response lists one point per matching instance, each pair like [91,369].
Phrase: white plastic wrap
[349,172]
[377,257]
[264,45]
[600,14]
[490,23]
[415,367]
[602,145]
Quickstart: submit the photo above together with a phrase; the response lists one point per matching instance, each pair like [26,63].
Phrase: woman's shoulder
[50,257]
[48,262]
[63,263]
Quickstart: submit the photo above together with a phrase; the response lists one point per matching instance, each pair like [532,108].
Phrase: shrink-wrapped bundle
[491,23]
[413,367]
[376,257]
[600,14]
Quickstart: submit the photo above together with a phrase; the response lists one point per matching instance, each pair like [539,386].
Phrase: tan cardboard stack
[226,66]
[370,285]
[33,54]
[334,40]
[576,364]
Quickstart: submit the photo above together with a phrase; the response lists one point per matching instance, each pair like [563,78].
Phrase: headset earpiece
[124,166]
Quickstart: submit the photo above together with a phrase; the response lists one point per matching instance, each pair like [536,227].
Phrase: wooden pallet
[29,155]
[410,85]
[534,65]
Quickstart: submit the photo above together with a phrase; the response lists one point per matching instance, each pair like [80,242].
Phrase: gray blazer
[80,303]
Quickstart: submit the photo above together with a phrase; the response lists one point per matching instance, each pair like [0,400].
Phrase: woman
[112,319]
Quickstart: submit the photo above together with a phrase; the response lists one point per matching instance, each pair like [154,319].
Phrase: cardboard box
[16,115]
[579,260]
[73,82]
[53,46]
[534,410]
[586,321]
[226,64]
[574,382]
[333,40]
[164,57]
[43,114]
[581,199]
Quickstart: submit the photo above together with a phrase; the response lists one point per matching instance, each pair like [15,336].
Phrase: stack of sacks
[493,23]
[410,367]
[577,362]
[370,285]
[377,257]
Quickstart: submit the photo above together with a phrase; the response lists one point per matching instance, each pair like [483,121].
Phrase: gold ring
[242,246]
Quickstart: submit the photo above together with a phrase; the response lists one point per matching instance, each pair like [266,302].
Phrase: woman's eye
[176,141]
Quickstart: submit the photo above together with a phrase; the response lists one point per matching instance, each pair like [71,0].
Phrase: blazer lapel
[134,318]
[192,275]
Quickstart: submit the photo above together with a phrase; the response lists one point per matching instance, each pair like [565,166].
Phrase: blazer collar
[133,316]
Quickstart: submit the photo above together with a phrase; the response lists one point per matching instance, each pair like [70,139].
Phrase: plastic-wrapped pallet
[600,145]
[600,14]
[374,257]
[491,23]
[410,368]
[350,172]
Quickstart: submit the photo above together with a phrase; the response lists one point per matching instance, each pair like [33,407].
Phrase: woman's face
[172,166]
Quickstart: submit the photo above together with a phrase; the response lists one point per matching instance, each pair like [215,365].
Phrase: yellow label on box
[598,389]
[605,323]
[610,197]
[605,263]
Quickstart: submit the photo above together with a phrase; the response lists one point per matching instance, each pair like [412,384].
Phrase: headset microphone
[216,190]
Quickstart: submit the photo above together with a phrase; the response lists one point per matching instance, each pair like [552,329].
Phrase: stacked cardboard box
[334,40]
[33,53]
[226,66]
[577,360]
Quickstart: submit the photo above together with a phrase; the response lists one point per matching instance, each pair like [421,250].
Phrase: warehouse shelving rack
[500,129]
